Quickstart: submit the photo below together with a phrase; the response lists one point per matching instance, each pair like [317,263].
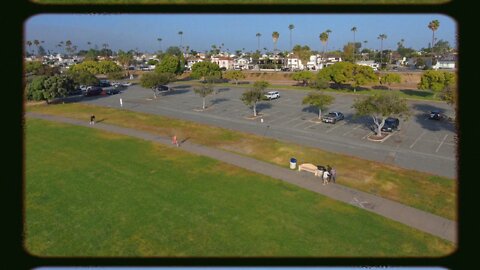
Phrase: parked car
[272,95]
[93,91]
[333,117]
[436,115]
[76,92]
[391,124]
[104,83]
[162,88]
[112,91]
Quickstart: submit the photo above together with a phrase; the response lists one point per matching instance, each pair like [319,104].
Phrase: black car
[162,88]
[391,124]
[435,115]
[104,83]
[93,91]
[112,91]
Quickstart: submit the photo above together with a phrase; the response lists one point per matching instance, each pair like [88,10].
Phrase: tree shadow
[310,109]
[417,93]
[430,124]
[101,120]
[220,90]
[263,106]
[175,92]
[365,121]
[380,87]
[218,100]
[181,86]
[243,82]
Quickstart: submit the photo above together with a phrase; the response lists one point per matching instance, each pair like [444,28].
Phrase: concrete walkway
[423,221]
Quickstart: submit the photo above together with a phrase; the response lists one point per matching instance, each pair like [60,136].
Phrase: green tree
[204,90]
[349,52]
[48,88]
[252,96]
[362,75]
[324,39]
[201,70]
[389,78]
[381,106]
[169,64]
[38,68]
[303,76]
[124,58]
[41,51]
[318,100]
[116,75]
[339,73]
[152,62]
[433,25]
[82,77]
[154,79]
[234,75]
[442,47]
[302,52]
[354,30]
[437,80]
[101,67]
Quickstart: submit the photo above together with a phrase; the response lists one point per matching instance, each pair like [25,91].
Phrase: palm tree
[433,25]
[68,46]
[354,29]
[275,36]
[381,37]
[258,35]
[291,27]
[328,31]
[160,41]
[105,46]
[29,44]
[36,43]
[181,37]
[324,39]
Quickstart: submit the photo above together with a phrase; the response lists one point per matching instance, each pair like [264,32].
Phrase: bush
[116,75]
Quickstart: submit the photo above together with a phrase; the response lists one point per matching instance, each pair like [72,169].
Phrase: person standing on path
[92,119]
[174,140]
[325,177]
[333,174]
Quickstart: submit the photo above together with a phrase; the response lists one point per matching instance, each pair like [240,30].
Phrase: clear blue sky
[236,31]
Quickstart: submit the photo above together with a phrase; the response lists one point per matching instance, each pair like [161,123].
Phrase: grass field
[424,191]
[92,193]
[241,1]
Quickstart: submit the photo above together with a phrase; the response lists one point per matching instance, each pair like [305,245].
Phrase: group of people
[328,174]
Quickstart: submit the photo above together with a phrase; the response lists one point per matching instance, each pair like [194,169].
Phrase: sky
[235,31]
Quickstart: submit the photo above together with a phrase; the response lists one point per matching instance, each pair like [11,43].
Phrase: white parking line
[296,118]
[444,138]
[278,118]
[351,130]
[299,124]
[311,125]
[416,140]
[335,127]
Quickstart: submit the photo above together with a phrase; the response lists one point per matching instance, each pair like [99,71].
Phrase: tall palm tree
[328,31]
[433,25]
[29,44]
[180,33]
[354,29]
[291,27]
[105,46]
[160,41]
[68,46]
[275,36]
[258,35]
[324,39]
[381,37]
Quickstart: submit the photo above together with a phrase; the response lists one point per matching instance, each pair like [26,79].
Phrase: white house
[241,63]
[192,61]
[369,63]
[223,62]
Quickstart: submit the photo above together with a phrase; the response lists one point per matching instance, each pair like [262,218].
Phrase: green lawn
[424,191]
[241,1]
[92,193]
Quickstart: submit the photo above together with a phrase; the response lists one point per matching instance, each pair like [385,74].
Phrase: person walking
[174,140]
[92,119]
[325,177]
[333,174]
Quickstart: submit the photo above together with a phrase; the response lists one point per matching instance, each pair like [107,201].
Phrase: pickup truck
[333,117]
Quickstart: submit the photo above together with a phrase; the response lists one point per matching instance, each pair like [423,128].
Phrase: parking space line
[299,124]
[311,125]
[444,138]
[351,130]
[416,140]
[335,127]
[296,118]
[278,118]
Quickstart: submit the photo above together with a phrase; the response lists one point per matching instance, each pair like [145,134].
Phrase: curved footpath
[421,220]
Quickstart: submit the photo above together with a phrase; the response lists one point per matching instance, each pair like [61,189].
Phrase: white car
[272,95]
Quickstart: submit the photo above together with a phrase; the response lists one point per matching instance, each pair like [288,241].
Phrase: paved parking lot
[421,144]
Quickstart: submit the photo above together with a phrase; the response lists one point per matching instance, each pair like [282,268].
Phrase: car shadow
[433,125]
